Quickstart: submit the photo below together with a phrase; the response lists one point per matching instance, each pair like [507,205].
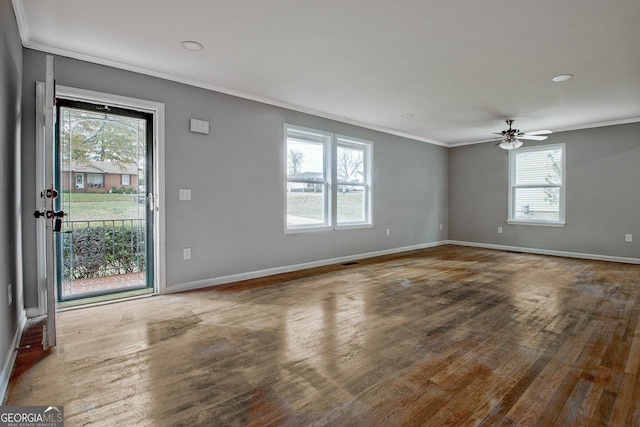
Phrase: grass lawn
[105,206]
[101,206]
[307,207]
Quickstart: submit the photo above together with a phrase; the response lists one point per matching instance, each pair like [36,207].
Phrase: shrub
[102,251]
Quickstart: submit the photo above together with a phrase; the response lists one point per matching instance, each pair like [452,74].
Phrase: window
[315,160]
[353,166]
[95,180]
[308,178]
[126,179]
[536,180]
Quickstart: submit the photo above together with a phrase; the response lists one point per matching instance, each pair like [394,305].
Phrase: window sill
[310,229]
[537,223]
[296,230]
[354,225]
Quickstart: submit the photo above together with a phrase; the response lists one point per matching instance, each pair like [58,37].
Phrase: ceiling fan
[510,138]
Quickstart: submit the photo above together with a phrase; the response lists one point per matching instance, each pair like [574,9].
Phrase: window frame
[330,141]
[561,222]
[367,164]
[92,182]
[124,181]
[312,136]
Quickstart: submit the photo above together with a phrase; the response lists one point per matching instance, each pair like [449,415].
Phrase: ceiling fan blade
[533,137]
[482,140]
[539,132]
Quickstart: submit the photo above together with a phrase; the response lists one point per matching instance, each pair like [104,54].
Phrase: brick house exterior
[99,177]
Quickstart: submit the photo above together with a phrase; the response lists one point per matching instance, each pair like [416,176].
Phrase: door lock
[49,214]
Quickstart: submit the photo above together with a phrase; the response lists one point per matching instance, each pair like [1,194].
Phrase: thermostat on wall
[199,126]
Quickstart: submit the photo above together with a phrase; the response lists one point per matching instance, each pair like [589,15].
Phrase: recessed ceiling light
[192,45]
[562,78]
[407,116]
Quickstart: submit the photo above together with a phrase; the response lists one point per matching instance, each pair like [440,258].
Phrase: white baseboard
[595,257]
[5,374]
[214,281]
[188,286]
[35,312]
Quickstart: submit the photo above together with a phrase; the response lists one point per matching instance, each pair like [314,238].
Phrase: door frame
[157,109]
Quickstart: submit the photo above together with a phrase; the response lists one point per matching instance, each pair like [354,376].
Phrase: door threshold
[104,299]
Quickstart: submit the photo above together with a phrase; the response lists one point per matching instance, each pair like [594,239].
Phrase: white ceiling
[460,68]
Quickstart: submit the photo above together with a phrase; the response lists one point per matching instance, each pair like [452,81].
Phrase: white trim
[331,142]
[538,223]
[10,357]
[97,304]
[310,136]
[596,257]
[28,43]
[21,20]
[600,124]
[565,129]
[562,186]
[41,276]
[353,225]
[367,187]
[158,111]
[214,281]
[221,89]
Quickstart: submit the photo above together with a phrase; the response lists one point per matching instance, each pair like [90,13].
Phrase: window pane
[305,205]
[350,164]
[305,160]
[537,204]
[351,205]
[307,180]
[95,180]
[538,167]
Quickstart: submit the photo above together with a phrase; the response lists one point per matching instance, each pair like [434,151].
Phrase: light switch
[199,126]
[185,194]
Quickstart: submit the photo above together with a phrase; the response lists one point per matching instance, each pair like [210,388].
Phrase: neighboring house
[318,176]
[306,186]
[98,177]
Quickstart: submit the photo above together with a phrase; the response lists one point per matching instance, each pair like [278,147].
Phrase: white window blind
[537,185]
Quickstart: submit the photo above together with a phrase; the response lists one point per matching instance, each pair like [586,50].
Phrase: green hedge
[103,251]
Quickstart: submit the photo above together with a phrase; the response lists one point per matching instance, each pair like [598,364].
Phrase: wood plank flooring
[448,336]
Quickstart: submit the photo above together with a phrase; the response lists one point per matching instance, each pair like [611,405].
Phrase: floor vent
[347,264]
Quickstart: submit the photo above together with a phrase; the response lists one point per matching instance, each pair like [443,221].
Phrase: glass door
[105,180]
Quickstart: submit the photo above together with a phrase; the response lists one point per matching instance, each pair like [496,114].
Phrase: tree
[295,161]
[87,136]
[349,163]
[552,194]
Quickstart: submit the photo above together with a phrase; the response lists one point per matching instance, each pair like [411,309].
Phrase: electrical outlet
[10,293]
[388,232]
[440,226]
[186,253]
[184,194]
[499,230]
[628,238]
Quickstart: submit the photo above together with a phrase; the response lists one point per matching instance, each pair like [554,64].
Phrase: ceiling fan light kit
[510,137]
[508,144]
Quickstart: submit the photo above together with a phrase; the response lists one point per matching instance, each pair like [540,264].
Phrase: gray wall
[234,222]
[10,259]
[602,187]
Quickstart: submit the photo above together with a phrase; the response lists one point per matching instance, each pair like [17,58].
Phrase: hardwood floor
[438,337]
